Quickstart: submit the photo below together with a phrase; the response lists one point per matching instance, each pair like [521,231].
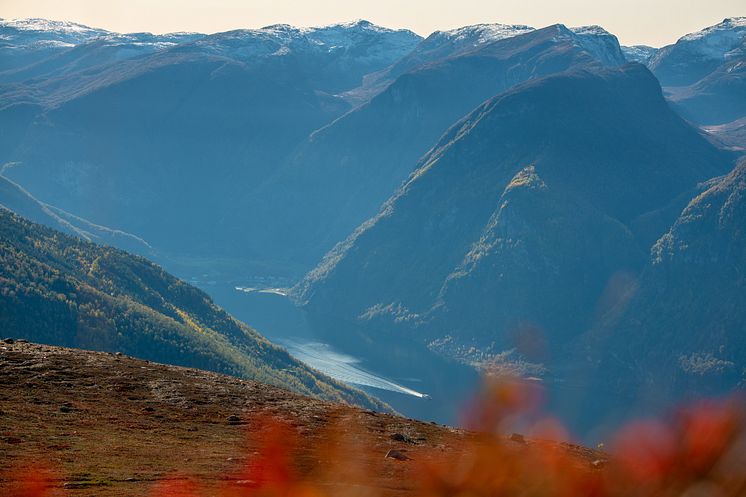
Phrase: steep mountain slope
[522,216]
[704,75]
[345,170]
[60,290]
[18,200]
[207,119]
[682,331]
[732,134]
[718,98]
[696,55]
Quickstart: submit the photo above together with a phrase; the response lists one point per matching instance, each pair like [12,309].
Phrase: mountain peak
[729,32]
[43,32]
[479,34]
[39,24]
[592,29]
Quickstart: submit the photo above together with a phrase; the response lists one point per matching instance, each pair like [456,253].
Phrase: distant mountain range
[325,122]
[541,201]
[59,290]
[704,74]
[343,172]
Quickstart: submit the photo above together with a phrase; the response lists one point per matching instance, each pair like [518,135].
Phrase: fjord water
[411,379]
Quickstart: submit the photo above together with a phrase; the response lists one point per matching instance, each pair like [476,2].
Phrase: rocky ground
[109,425]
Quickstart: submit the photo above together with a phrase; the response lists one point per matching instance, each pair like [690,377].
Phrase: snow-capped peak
[283,39]
[37,24]
[600,43]
[43,32]
[719,40]
[479,34]
[737,24]
[592,30]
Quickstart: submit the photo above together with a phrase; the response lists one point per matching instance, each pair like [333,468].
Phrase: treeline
[60,290]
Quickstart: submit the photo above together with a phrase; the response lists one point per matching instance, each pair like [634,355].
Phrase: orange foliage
[699,452]
[35,481]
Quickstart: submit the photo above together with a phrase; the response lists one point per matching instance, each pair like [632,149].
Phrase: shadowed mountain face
[169,145]
[59,290]
[15,198]
[184,147]
[346,170]
[681,333]
[521,222]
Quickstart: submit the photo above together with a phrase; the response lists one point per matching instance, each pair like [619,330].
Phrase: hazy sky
[653,22]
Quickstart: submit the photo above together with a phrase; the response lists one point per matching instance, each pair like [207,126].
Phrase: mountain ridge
[62,290]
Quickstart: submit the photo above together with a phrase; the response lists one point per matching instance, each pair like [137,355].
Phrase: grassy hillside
[60,290]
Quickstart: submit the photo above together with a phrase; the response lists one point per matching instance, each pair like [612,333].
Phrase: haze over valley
[366,215]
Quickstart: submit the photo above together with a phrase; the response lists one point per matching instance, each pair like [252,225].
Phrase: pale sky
[651,22]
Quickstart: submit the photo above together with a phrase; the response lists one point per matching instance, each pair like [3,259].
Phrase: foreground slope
[84,423]
[61,290]
[114,425]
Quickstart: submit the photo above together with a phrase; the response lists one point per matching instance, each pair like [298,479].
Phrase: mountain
[25,41]
[698,54]
[207,119]
[681,332]
[716,99]
[60,290]
[704,75]
[14,198]
[445,44]
[440,45]
[732,134]
[525,221]
[344,171]
[639,53]
[38,47]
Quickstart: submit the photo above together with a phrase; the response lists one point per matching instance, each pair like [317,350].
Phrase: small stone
[397,454]
[599,463]
[398,437]
[148,409]
[66,409]
[9,341]
[21,340]
[118,354]
[518,438]
[233,419]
